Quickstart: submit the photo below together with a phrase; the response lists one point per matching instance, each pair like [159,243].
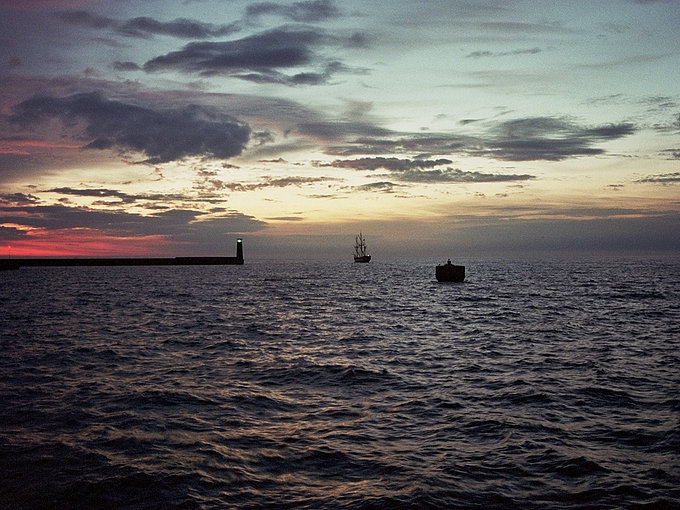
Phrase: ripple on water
[545,384]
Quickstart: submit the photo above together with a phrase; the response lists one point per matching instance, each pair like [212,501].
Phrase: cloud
[413,170]
[38,5]
[162,135]
[392,164]
[481,54]
[86,19]
[306,78]
[382,187]
[670,178]
[179,223]
[455,175]
[181,27]
[267,182]
[603,234]
[373,140]
[11,233]
[18,199]
[548,138]
[671,153]
[306,12]
[112,193]
[272,49]
[126,66]
[259,57]
[337,130]
[520,28]
[145,27]
[525,139]
[286,218]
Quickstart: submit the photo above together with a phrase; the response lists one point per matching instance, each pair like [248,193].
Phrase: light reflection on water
[341,385]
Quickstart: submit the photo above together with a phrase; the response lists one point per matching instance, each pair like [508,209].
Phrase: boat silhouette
[360,254]
[449,272]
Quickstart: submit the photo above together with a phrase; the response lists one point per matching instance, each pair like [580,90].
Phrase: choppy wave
[308,385]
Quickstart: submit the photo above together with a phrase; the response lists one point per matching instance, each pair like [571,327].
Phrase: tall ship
[360,254]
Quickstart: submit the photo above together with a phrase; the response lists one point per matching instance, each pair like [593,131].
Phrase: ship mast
[360,245]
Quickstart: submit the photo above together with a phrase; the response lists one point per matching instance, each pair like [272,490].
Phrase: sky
[438,128]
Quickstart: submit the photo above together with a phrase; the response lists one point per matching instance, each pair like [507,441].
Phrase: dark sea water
[340,385]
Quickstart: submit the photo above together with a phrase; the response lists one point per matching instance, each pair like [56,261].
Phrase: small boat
[450,272]
[360,254]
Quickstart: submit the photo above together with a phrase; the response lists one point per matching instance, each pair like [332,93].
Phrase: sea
[534,384]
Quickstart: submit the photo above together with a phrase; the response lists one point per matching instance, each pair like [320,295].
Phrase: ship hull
[450,273]
[364,259]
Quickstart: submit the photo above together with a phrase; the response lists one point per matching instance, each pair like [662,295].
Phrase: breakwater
[12,264]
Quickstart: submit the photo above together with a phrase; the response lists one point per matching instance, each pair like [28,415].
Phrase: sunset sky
[439,128]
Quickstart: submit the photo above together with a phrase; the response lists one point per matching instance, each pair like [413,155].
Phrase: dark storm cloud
[179,223]
[144,27]
[163,135]
[258,57]
[527,139]
[307,12]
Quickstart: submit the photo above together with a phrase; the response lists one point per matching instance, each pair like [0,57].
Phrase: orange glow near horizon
[85,243]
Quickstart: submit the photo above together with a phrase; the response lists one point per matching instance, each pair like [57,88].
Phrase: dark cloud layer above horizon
[162,135]
[423,170]
[178,223]
[524,139]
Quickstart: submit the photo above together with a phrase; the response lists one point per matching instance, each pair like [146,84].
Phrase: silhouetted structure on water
[360,254]
[450,272]
[8,264]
